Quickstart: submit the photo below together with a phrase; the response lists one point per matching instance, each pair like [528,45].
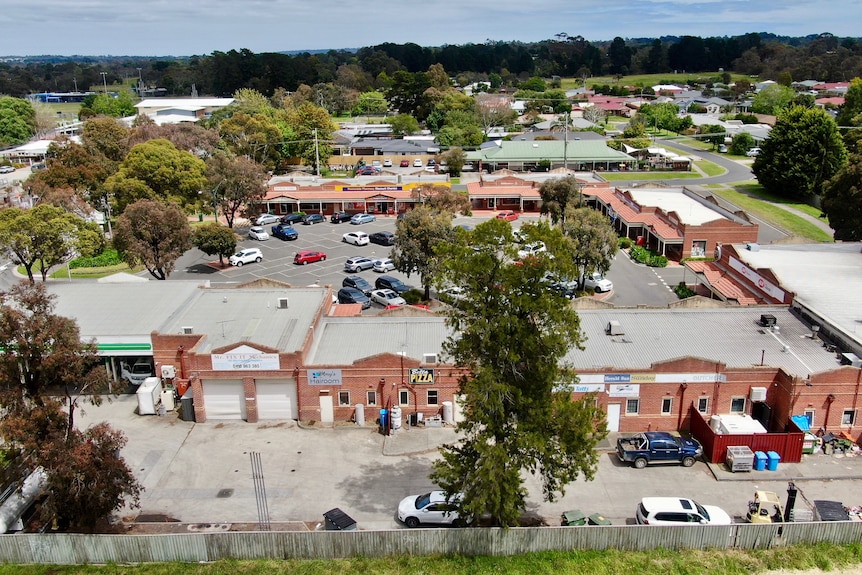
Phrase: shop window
[703,405]
[848,417]
[737,405]
[666,405]
[343,398]
[371,397]
[632,406]
[698,249]
[404,397]
[433,398]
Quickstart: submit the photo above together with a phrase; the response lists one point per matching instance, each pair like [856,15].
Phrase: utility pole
[316,154]
[105,81]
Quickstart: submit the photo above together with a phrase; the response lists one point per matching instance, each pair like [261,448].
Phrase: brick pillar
[249,390]
[198,393]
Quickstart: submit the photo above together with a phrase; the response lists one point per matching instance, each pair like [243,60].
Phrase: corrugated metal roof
[583,150]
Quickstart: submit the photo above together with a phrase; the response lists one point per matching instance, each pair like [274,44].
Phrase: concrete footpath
[199,476]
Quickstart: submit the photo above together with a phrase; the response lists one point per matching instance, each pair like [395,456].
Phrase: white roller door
[276,399]
[224,399]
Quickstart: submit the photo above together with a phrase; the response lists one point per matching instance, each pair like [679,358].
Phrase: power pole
[316,154]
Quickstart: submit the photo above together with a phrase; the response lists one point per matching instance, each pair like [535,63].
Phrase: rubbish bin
[187,406]
[598,519]
[384,420]
[573,518]
[759,461]
[774,458]
[338,520]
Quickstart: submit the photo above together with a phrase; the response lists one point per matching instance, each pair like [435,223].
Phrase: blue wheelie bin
[773,458]
[759,461]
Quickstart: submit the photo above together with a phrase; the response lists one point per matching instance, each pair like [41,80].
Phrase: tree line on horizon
[822,57]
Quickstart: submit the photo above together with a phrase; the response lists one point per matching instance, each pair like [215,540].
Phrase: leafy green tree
[417,235]
[592,240]
[46,235]
[512,336]
[237,185]
[741,143]
[852,107]
[257,137]
[120,106]
[310,129]
[404,125]
[772,99]
[455,159]
[215,239]
[557,194]
[714,134]
[157,170]
[804,149]
[442,199]
[106,136]
[370,103]
[620,56]
[534,84]
[154,234]
[842,201]
[17,121]
[661,116]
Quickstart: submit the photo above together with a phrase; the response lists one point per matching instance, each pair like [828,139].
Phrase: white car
[428,508]
[387,163]
[266,219]
[245,256]
[753,152]
[355,238]
[387,297]
[6,169]
[598,283]
[532,249]
[258,233]
[383,266]
[678,510]
[417,163]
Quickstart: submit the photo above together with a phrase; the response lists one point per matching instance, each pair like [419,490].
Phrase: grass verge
[639,176]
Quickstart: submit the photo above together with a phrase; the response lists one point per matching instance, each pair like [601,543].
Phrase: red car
[405,163]
[509,216]
[306,256]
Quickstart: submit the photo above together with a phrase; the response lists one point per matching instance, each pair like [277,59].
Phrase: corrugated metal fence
[79,549]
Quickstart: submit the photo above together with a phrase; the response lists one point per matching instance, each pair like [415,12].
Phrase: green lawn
[826,557]
[647,176]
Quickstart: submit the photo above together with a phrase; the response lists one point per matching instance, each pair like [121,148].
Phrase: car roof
[668,504]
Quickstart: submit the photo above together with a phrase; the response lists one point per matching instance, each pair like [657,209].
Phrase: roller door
[224,399]
[276,399]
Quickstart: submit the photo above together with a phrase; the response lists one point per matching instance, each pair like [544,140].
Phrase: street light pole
[215,198]
[105,81]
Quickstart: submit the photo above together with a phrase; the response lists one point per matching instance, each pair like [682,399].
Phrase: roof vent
[614,328]
[767,320]
[282,303]
[752,247]
[188,330]
[429,358]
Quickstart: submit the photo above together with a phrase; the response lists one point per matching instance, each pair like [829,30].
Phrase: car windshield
[423,500]
[703,512]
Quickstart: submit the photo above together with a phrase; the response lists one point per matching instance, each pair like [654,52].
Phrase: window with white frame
[371,397]
[404,397]
[703,405]
[848,417]
[809,415]
[737,405]
[343,398]
[432,397]
[698,248]
[666,405]
[632,406]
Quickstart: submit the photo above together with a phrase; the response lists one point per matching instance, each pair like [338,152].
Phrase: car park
[7,169]
[245,256]
[389,282]
[508,215]
[363,218]
[284,232]
[266,219]
[355,238]
[340,217]
[387,298]
[357,282]
[258,233]
[405,163]
[353,295]
[417,163]
[383,238]
[376,164]
[532,249]
[384,265]
[308,256]
[293,218]
[598,283]
[358,264]
[753,152]
[313,219]
[679,510]
[432,508]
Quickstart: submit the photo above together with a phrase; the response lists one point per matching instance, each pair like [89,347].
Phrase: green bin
[598,519]
[574,518]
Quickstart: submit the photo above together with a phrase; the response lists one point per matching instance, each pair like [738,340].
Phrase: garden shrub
[644,256]
[682,291]
[624,243]
[109,257]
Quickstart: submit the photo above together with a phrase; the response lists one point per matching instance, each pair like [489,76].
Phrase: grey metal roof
[227,316]
[342,341]
[515,151]
[732,336]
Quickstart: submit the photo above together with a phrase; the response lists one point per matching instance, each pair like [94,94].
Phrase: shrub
[109,257]
[644,256]
[413,296]
[624,243]
[682,291]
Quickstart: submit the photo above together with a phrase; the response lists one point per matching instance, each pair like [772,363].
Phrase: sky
[198,27]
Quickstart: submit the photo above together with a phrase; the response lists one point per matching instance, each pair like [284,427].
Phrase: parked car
[532,249]
[355,238]
[382,238]
[353,295]
[389,282]
[508,215]
[358,264]
[258,233]
[363,218]
[417,163]
[308,256]
[431,162]
[293,218]
[676,510]
[387,163]
[313,219]
[367,171]
[658,447]
[376,164]
[265,219]
[245,256]
[598,283]
[37,167]
[405,163]
[339,217]
[7,169]
[284,232]
[383,265]
[722,148]
[753,152]
[429,508]
[357,282]
[387,297]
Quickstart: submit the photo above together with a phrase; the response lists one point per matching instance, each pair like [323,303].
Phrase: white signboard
[758,280]
[244,358]
[624,390]
[623,378]
[324,377]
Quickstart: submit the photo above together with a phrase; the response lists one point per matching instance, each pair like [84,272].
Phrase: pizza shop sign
[421,375]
